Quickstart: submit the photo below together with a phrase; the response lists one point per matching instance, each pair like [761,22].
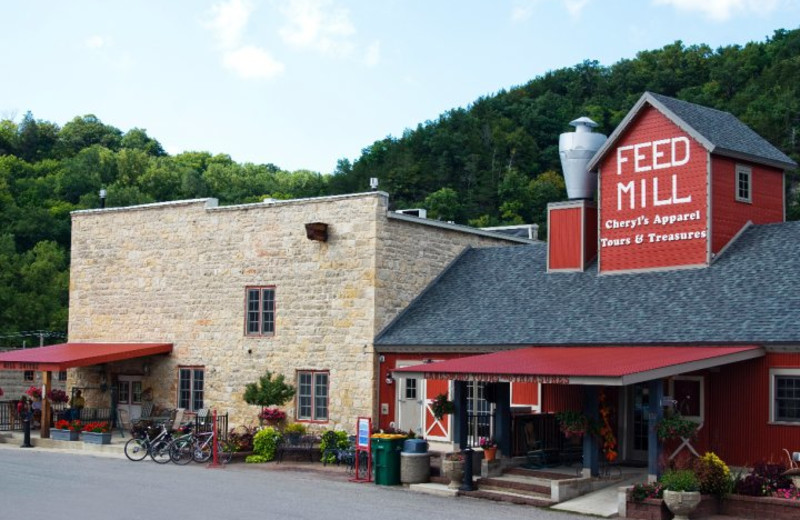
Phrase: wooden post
[46,384]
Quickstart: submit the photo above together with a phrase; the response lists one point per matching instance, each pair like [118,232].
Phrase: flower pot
[490,453]
[454,470]
[64,435]
[96,438]
[681,503]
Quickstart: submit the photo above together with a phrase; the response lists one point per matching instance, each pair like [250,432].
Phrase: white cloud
[520,13]
[575,7]
[318,25]
[94,42]
[228,23]
[229,20]
[721,10]
[373,54]
[252,62]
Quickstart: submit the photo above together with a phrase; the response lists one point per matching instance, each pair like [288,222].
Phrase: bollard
[26,429]
[467,485]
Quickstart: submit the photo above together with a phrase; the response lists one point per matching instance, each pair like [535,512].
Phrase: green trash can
[386,460]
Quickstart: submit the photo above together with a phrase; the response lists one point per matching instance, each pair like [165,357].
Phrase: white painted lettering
[656,155]
[639,157]
[685,141]
[625,188]
[620,158]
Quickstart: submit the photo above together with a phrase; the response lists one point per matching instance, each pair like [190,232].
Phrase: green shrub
[713,475]
[295,428]
[680,480]
[647,490]
[332,440]
[265,444]
[256,459]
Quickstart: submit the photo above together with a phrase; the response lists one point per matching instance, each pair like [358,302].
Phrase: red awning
[602,365]
[71,355]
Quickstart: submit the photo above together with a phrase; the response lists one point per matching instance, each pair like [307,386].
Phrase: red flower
[97,427]
[69,425]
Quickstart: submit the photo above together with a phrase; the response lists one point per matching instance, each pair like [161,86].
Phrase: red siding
[556,398]
[619,247]
[737,412]
[729,215]
[564,238]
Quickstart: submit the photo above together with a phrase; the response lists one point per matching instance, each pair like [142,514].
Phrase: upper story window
[28,375]
[62,375]
[744,183]
[784,390]
[260,311]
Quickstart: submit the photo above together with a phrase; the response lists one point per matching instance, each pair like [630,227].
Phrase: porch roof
[602,365]
[71,355]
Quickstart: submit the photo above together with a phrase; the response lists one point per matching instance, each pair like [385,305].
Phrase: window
[62,375]
[411,388]
[744,188]
[784,395]
[190,388]
[312,396]
[260,311]
[689,396]
[28,375]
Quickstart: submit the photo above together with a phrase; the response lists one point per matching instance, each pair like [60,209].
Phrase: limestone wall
[177,272]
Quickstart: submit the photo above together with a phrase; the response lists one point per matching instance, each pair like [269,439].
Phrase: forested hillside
[491,163]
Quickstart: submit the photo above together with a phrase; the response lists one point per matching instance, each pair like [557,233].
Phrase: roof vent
[576,150]
[416,212]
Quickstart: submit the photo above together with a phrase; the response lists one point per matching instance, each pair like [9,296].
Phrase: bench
[302,444]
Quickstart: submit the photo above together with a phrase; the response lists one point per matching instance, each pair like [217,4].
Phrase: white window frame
[746,171]
[314,395]
[774,373]
[700,380]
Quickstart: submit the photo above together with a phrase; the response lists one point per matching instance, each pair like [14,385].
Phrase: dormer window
[744,184]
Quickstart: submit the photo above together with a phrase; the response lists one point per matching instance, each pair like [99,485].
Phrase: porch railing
[8,417]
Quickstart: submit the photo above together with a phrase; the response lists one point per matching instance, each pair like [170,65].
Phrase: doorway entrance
[410,401]
[638,406]
[129,397]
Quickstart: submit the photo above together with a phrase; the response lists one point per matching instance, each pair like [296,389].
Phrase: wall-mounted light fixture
[381,358]
[389,378]
[146,369]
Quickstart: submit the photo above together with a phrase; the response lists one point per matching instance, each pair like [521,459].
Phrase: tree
[268,391]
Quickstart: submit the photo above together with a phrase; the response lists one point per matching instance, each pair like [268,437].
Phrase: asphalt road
[43,484]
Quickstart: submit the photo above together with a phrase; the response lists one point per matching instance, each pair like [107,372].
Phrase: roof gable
[717,131]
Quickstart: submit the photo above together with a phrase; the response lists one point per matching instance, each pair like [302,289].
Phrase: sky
[304,83]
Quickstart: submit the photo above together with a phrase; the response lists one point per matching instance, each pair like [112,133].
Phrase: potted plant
[572,423]
[97,432]
[272,417]
[34,392]
[268,391]
[294,431]
[66,430]
[441,406]
[453,468]
[489,448]
[681,492]
[675,426]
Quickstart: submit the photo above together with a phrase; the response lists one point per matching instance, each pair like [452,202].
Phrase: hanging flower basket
[441,406]
[676,426]
[572,423]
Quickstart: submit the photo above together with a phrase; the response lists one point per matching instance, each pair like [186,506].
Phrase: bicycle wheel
[136,449]
[180,451]
[202,452]
[159,451]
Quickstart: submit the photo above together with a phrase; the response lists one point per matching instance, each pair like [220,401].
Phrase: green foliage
[641,491]
[269,391]
[295,429]
[265,444]
[442,406]
[332,440]
[714,476]
[680,480]
[675,426]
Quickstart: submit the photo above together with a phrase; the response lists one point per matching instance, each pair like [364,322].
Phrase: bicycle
[197,447]
[138,448]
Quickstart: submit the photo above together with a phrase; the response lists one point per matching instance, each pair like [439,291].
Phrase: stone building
[242,289]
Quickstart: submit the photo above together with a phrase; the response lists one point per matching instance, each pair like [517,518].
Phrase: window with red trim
[312,395]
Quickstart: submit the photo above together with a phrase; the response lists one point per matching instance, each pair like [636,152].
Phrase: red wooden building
[678,288]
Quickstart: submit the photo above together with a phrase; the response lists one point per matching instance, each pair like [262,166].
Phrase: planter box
[739,506]
[64,435]
[96,438]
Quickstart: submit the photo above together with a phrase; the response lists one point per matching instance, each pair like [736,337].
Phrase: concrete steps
[515,485]
[509,496]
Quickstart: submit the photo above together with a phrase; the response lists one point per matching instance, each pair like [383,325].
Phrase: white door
[129,397]
[410,393]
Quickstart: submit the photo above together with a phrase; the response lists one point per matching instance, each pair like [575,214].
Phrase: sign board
[653,193]
[363,429]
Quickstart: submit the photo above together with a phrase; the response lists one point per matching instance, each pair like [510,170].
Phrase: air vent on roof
[576,150]
[417,212]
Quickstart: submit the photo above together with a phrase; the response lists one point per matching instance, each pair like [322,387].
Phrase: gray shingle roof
[719,132]
[503,296]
